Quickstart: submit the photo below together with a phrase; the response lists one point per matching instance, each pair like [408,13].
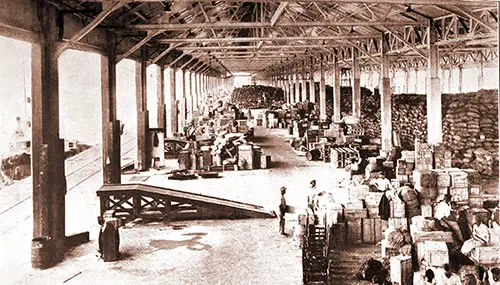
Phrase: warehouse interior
[389,106]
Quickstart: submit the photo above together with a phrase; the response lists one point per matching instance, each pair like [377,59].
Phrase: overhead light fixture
[352,31]
[409,9]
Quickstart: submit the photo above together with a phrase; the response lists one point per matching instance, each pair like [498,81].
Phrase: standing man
[282,210]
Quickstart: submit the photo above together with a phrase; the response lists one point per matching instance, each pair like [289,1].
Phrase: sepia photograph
[249,142]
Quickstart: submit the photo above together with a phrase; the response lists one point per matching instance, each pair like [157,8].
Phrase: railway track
[93,166]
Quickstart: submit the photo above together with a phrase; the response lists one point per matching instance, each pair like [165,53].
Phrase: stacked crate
[423,156]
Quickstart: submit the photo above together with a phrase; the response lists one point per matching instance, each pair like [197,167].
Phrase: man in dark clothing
[282,210]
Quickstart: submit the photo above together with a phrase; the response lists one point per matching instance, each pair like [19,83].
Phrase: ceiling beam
[142,42]
[277,14]
[407,43]
[281,47]
[253,25]
[257,39]
[404,2]
[176,60]
[107,10]
[165,52]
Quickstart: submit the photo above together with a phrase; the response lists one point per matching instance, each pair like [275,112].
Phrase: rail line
[74,172]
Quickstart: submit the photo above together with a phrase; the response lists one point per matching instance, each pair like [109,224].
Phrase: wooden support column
[337,116]
[291,89]
[188,95]
[434,119]
[460,78]
[407,81]
[182,101]
[173,102]
[287,89]
[161,106]
[297,84]
[49,181]
[416,80]
[385,97]
[111,160]
[312,92]
[356,86]
[450,78]
[304,82]
[480,79]
[322,91]
[142,162]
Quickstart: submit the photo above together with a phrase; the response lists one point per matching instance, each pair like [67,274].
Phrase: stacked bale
[257,96]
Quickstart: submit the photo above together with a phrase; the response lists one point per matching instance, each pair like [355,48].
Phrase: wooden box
[358,192]
[398,223]
[486,255]
[436,253]
[460,194]
[398,208]
[474,190]
[476,202]
[387,250]
[401,269]
[355,231]
[354,205]
[245,156]
[338,235]
[426,210]
[443,178]
[355,214]
[265,161]
[372,199]
[418,236]
[373,230]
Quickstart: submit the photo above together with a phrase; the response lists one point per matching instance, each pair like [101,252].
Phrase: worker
[382,183]
[312,192]
[443,215]
[283,208]
[352,169]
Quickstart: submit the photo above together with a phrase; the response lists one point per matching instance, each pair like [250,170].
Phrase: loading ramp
[140,200]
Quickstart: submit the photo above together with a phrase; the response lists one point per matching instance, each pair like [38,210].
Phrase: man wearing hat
[282,210]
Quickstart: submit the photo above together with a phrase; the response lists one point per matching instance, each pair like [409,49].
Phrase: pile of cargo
[257,96]
[470,123]
[408,225]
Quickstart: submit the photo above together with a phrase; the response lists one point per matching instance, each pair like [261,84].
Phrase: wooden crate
[355,214]
[387,250]
[436,253]
[373,230]
[355,231]
[401,269]
[398,223]
[486,255]
[338,235]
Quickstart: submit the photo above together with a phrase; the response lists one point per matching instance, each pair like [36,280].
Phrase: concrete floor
[195,252]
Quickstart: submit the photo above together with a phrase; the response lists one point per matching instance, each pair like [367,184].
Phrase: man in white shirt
[443,214]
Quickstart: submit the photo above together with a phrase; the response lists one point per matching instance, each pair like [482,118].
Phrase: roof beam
[410,45]
[150,35]
[404,2]
[108,8]
[176,60]
[477,19]
[252,25]
[278,13]
[257,39]
[281,47]
[165,52]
